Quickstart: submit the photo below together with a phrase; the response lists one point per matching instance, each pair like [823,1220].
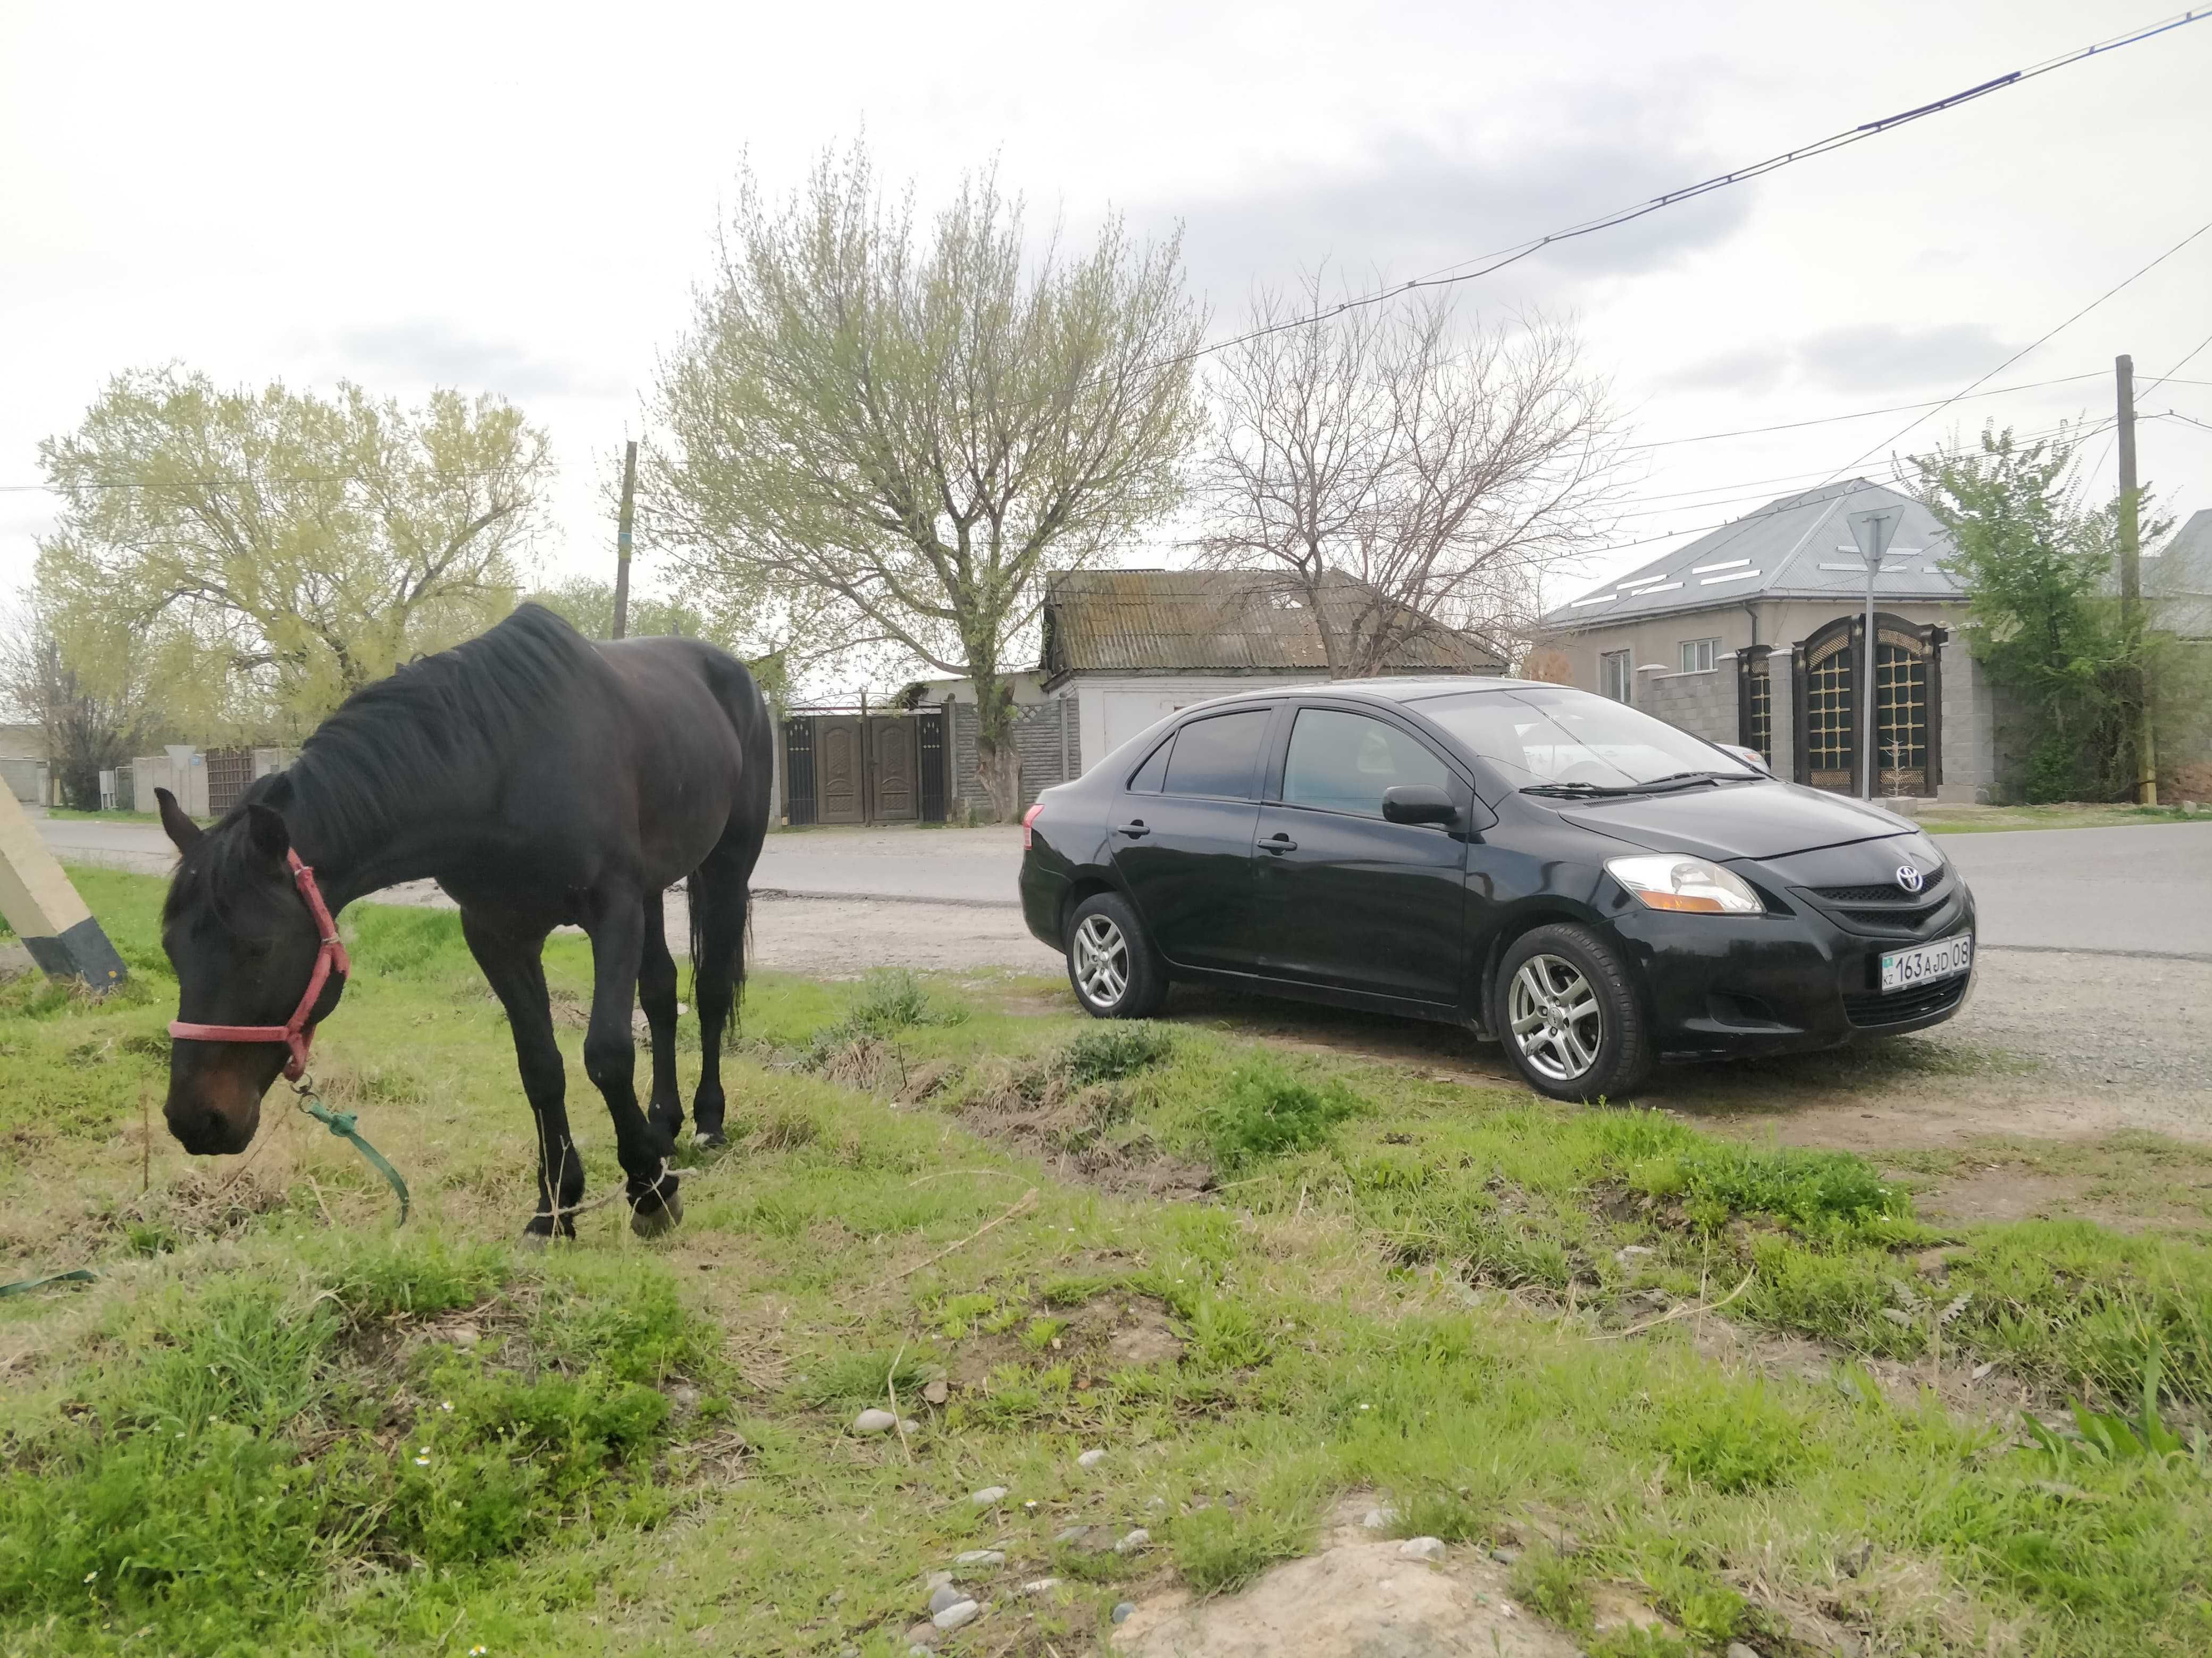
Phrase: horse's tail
[739,851]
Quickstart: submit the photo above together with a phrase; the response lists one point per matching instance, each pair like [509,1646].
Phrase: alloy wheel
[1102,960]
[1558,1025]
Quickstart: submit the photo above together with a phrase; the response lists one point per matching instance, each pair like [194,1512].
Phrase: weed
[1264,1112]
[1114,1051]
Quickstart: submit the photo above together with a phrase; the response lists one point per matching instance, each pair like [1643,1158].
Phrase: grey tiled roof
[1778,552]
[2180,579]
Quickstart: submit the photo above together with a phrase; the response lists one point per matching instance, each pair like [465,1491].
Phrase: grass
[275,1425]
[71,814]
[1978,820]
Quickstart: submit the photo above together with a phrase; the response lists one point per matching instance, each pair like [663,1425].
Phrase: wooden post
[622,540]
[2131,613]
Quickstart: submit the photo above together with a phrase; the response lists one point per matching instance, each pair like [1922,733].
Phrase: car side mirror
[1751,757]
[1419,803]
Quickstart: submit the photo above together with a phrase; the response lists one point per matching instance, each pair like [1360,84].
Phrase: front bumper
[1732,986]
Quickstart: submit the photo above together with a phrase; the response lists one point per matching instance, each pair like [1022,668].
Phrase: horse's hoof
[708,1139]
[666,1213]
[535,1242]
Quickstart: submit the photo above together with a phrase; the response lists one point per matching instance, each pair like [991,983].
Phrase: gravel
[988,1496]
[1138,1539]
[981,1558]
[1089,1459]
[946,1596]
[1422,1548]
[959,1612]
[874,1422]
[1122,1609]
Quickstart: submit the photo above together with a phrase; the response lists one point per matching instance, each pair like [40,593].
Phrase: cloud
[432,351]
[1858,357]
[1869,356]
[1414,204]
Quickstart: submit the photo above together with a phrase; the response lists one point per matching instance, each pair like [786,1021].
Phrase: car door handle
[1135,830]
[1279,843]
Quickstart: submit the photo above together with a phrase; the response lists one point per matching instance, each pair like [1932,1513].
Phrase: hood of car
[1738,820]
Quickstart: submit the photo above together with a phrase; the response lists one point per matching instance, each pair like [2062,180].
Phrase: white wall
[1115,707]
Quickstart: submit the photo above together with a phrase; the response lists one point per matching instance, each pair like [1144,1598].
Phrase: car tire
[1584,1036]
[1115,972]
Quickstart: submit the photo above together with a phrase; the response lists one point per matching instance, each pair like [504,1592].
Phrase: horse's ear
[183,833]
[271,838]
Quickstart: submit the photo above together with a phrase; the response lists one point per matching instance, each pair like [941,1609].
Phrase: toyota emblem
[1909,878]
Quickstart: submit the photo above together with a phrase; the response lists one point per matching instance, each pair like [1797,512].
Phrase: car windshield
[1559,738]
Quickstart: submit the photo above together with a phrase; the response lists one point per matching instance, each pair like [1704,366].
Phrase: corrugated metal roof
[1779,552]
[2180,579]
[1184,620]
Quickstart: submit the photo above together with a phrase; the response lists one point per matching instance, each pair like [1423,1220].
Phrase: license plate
[1901,969]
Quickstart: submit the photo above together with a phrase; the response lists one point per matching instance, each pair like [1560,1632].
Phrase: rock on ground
[1358,1598]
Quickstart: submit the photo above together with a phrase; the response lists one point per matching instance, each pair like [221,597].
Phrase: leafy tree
[259,556]
[2039,567]
[589,603]
[879,435]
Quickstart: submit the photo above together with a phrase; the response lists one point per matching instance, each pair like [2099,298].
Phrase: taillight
[1028,818]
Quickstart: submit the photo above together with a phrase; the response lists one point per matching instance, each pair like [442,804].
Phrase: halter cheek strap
[297,1033]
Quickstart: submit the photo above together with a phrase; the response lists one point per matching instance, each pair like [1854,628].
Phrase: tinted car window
[1544,734]
[1343,762]
[1216,757]
[1151,774]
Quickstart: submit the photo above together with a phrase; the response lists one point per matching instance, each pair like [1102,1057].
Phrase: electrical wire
[1499,259]
[2049,334]
[1863,414]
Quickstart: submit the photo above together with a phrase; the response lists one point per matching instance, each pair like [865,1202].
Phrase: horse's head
[243,945]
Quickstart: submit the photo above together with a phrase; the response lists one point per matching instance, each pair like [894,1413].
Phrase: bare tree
[881,436]
[1421,474]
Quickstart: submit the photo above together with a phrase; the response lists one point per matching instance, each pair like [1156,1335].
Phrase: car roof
[1408,689]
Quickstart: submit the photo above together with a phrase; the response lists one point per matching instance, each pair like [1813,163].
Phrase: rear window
[1216,757]
[1153,772]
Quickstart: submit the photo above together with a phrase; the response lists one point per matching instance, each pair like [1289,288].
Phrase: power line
[1447,275]
[2034,343]
[1863,414]
[2178,367]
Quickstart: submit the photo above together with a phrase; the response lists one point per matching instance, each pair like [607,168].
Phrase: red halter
[297,1032]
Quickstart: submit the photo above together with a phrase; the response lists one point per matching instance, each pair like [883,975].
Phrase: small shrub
[1113,1051]
[1265,1112]
[410,1280]
[1550,1583]
[1217,1549]
[1732,1439]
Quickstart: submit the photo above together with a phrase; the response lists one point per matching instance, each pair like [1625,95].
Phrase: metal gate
[865,769]
[229,771]
[1908,703]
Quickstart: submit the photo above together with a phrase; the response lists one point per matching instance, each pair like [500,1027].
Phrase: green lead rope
[341,1123]
[24,1286]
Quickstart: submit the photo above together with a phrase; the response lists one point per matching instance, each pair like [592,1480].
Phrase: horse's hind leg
[616,921]
[719,900]
[656,993]
[512,962]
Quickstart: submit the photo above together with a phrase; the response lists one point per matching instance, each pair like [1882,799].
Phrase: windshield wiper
[1667,784]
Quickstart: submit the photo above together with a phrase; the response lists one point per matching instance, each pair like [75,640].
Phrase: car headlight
[1668,881]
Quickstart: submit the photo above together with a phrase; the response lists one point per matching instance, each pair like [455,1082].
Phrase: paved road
[977,865]
[2144,887]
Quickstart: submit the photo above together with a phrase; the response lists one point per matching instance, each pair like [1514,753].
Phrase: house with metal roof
[2178,582]
[1134,645]
[1754,634]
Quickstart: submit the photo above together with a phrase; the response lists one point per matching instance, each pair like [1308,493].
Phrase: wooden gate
[891,766]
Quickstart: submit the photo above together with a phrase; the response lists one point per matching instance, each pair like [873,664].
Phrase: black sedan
[1591,885]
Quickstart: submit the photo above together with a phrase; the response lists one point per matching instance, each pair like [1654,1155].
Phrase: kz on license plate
[1903,968]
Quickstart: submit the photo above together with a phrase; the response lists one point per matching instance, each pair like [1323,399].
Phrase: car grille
[1889,893]
[1873,1009]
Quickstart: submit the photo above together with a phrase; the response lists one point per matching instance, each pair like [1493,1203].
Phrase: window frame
[1256,781]
[1626,658]
[1708,648]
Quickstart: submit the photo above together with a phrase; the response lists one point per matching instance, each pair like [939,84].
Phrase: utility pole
[622,540]
[2131,617]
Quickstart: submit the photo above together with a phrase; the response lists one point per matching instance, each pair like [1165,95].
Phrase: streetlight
[1873,531]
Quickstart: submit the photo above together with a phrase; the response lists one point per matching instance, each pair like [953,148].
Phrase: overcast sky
[519,198]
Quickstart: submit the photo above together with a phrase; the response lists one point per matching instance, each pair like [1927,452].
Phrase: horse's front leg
[616,925]
[513,960]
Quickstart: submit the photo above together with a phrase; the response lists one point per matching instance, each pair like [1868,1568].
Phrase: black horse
[540,780]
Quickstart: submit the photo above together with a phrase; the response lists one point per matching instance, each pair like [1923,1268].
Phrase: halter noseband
[298,1032]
